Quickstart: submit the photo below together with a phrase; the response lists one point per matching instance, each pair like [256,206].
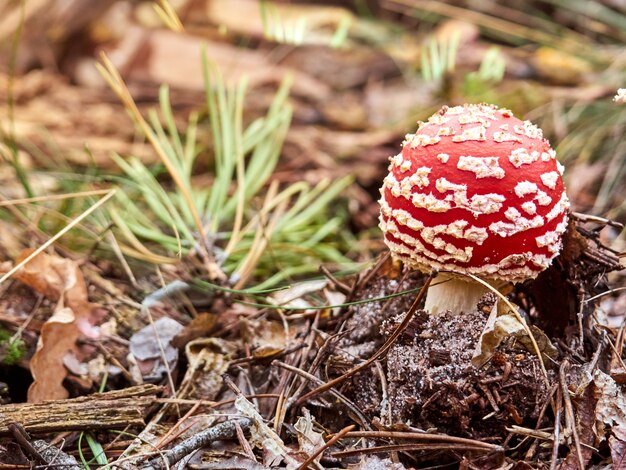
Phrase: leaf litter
[437,382]
[61,281]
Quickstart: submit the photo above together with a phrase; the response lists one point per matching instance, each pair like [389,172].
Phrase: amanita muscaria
[474,190]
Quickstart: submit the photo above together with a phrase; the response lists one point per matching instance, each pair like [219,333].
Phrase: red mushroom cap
[475,190]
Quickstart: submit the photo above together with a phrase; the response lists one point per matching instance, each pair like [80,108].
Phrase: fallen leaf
[504,326]
[144,346]
[208,360]
[559,67]
[618,452]
[60,280]
[223,461]
[373,462]
[610,407]
[161,56]
[58,337]
[318,21]
[264,437]
[199,327]
[293,296]
[309,441]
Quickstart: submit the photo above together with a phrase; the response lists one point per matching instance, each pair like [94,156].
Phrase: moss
[11,350]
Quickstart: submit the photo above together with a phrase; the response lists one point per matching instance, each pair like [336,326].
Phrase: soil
[427,381]
[434,385]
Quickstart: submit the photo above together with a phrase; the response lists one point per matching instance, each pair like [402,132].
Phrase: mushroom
[475,190]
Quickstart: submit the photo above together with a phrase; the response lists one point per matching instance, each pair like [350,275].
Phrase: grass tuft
[238,228]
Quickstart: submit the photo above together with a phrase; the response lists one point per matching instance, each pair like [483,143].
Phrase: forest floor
[191,269]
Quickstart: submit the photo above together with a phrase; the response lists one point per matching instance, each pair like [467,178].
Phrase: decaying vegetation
[191,272]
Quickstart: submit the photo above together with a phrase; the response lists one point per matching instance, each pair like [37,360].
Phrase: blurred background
[360,74]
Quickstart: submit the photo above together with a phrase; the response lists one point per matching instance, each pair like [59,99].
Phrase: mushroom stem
[450,293]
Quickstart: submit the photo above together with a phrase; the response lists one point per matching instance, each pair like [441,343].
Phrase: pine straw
[332,383]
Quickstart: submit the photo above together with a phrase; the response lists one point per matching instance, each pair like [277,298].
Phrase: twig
[405,447]
[172,434]
[381,352]
[222,431]
[110,410]
[570,418]
[557,429]
[358,285]
[53,197]
[330,442]
[531,450]
[596,219]
[58,235]
[340,286]
[527,432]
[245,445]
[372,272]
[424,436]
[309,345]
[608,292]
[340,396]
[56,459]
[48,455]
[23,439]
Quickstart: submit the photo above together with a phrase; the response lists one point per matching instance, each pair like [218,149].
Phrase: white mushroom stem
[454,294]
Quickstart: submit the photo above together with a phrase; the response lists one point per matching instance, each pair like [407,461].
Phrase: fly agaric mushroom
[474,190]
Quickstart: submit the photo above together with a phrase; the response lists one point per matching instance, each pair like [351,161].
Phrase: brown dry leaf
[319,21]
[618,452]
[58,337]
[309,441]
[268,338]
[208,359]
[610,407]
[559,67]
[49,114]
[62,281]
[152,348]
[161,56]
[224,461]
[264,437]
[503,326]
[46,26]
[198,327]
[391,268]
[374,462]
[11,236]
[48,275]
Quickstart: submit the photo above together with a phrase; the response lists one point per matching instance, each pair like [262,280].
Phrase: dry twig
[570,417]
[381,352]
[222,431]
